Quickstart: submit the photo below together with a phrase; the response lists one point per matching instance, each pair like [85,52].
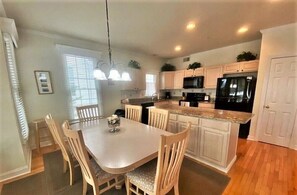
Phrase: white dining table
[123,151]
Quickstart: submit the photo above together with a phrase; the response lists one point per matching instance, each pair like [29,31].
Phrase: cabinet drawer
[219,125]
[193,120]
[173,117]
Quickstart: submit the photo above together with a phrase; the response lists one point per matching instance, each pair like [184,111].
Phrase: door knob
[266,106]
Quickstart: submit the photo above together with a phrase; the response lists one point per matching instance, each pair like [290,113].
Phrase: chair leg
[71,173]
[96,190]
[64,166]
[128,186]
[176,190]
[85,186]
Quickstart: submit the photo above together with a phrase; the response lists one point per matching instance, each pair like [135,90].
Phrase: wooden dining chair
[68,158]
[100,180]
[158,118]
[133,112]
[88,113]
[161,176]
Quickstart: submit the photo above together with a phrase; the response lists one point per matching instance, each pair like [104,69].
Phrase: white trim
[2,10]
[252,138]
[8,25]
[15,172]
[65,49]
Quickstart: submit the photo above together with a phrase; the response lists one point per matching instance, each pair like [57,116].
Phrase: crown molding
[8,25]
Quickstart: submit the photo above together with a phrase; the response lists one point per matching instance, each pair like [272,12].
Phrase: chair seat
[100,173]
[144,176]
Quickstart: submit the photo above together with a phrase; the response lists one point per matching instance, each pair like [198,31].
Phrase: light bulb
[99,75]
[114,75]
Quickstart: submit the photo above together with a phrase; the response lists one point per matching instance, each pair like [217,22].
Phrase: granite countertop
[139,101]
[208,113]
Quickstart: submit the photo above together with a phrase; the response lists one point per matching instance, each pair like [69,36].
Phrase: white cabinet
[167,80]
[178,79]
[211,74]
[172,123]
[138,80]
[196,72]
[214,137]
[248,66]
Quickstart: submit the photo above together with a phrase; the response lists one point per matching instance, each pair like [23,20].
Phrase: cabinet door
[179,79]
[213,145]
[199,72]
[167,80]
[211,74]
[193,138]
[172,126]
[250,66]
[189,73]
[231,68]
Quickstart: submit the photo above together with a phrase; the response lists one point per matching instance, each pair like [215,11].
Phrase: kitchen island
[213,135]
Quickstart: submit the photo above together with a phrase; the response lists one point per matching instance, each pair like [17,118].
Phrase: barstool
[41,124]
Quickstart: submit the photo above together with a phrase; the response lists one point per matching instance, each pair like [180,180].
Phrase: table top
[120,152]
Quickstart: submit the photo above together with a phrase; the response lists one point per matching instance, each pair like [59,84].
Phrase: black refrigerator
[237,94]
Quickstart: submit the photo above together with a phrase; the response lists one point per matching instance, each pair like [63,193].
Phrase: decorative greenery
[246,56]
[134,64]
[168,67]
[194,65]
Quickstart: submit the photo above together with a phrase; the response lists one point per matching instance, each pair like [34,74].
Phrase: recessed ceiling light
[177,48]
[242,30]
[191,26]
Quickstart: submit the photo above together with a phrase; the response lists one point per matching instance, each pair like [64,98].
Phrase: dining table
[133,145]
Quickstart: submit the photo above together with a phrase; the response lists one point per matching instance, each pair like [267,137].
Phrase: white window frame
[96,55]
[148,93]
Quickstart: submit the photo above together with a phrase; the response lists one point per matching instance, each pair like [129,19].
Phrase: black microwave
[193,82]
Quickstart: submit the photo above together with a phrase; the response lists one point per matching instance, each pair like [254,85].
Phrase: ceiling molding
[8,25]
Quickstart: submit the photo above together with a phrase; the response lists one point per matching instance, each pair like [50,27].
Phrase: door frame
[263,98]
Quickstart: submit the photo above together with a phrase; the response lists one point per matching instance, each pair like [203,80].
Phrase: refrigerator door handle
[248,92]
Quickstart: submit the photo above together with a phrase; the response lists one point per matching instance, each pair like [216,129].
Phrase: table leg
[37,141]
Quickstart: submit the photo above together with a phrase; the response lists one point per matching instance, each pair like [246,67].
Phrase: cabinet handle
[237,70]
[267,106]
[242,70]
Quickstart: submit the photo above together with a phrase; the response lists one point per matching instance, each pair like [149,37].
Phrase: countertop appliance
[167,95]
[192,99]
[193,82]
[237,94]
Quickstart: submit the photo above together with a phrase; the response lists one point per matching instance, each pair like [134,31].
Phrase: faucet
[154,95]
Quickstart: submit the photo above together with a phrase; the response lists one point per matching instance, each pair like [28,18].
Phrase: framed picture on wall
[43,82]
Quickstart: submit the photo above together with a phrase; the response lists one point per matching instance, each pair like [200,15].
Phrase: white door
[280,102]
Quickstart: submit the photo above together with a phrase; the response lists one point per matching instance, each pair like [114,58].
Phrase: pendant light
[113,73]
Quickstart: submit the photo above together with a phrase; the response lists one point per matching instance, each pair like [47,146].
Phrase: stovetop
[195,96]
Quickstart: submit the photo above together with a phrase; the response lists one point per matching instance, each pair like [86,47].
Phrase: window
[150,80]
[15,87]
[81,82]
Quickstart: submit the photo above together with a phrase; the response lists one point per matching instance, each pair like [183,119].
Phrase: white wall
[37,51]
[276,42]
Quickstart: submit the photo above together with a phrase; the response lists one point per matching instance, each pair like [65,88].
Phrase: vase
[114,125]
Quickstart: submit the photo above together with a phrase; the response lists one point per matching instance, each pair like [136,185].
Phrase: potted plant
[134,64]
[246,56]
[168,67]
[194,65]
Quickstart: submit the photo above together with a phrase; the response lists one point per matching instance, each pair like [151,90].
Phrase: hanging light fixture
[114,73]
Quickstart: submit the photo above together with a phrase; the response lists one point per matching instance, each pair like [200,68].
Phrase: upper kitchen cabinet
[247,66]
[167,80]
[196,72]
[178,79]
[211,74]
[138,80]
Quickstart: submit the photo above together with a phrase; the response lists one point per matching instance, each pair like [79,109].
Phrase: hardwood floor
[260,169]
[263,169]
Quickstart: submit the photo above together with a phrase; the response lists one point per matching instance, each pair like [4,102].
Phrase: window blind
[81,82]
[15,88]
[150,80]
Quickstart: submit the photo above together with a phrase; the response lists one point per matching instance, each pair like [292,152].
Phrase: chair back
[158,118]
[77,144]
[133,112]
[88,113]
[58,136]
[171,153]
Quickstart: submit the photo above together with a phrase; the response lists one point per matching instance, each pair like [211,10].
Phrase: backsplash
[178,92]
[132,94]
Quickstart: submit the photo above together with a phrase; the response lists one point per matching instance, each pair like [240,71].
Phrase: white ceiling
[154,26]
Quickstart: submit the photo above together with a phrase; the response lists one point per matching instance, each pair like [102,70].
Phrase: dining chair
[68,158]
[133,112]
[91,171]
[88,113]
[161,176]
[158,118]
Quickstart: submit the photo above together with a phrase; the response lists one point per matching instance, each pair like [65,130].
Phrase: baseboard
[252,138]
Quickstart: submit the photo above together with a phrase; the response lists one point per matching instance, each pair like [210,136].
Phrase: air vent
[186,59]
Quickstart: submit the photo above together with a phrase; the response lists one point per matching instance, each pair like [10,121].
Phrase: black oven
[192,99]
[193,82]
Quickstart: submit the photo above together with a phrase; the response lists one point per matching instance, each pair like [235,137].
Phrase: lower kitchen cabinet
[193,139]
[213,145]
